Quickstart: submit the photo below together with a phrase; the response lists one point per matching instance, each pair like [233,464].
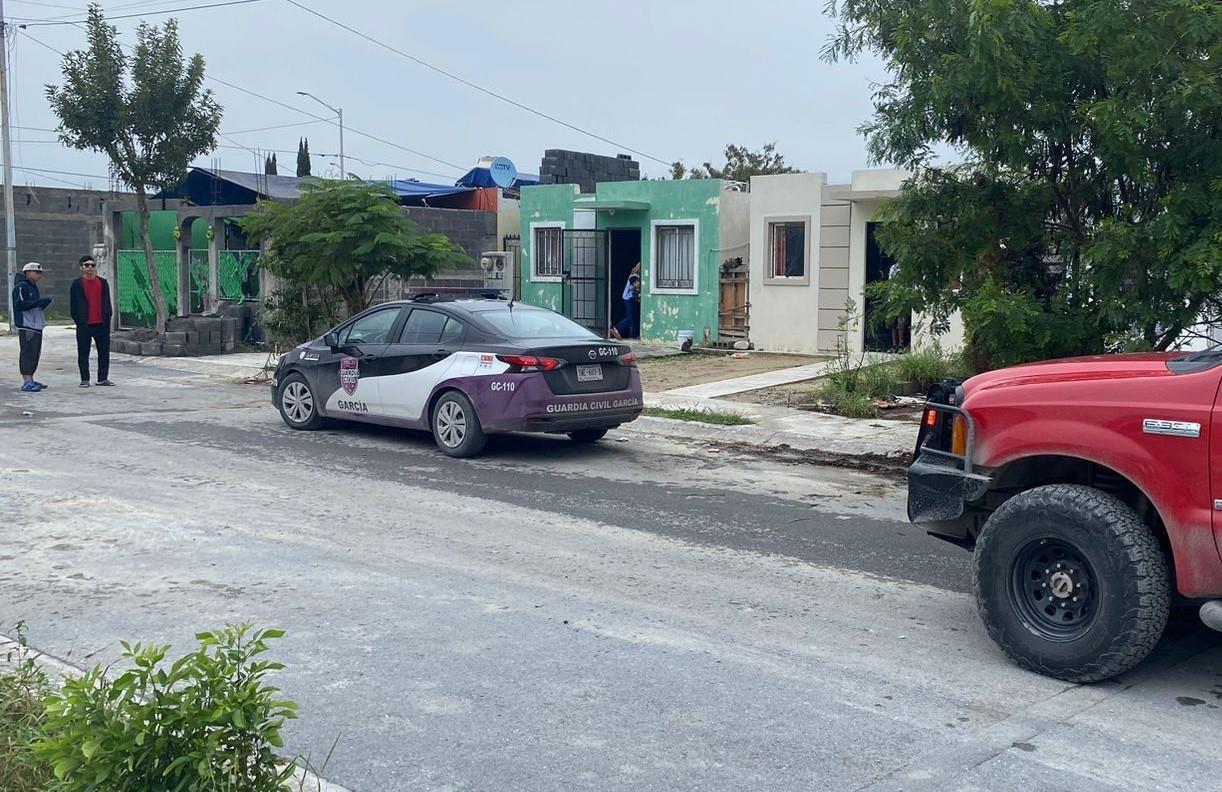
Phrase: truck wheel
[456,427]
[1071,583]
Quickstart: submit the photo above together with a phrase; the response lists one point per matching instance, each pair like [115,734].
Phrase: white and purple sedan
[462,369]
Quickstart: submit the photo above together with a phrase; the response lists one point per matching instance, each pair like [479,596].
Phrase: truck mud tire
[297,404]
[1071,583]
[456,427]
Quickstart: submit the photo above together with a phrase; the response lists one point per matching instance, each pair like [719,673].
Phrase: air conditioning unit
[497,275]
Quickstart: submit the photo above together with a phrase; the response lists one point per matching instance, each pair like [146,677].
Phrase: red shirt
[93,298]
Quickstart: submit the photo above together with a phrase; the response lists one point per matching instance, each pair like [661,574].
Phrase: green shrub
[928,366]
[22,690]
[207,722]
[854,405]
[878,381]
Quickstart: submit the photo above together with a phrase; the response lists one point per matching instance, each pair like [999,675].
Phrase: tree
[341,240]
[1085,213]
[303,157]
[741,164]
[269,165]
[149,114]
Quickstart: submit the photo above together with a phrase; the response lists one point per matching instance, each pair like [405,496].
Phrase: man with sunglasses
[91,310]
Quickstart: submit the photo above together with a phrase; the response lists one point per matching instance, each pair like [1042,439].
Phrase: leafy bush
[208,722]
[853,405]
[878,381]
[22,690]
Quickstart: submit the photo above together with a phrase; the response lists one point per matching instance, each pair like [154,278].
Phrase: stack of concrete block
[201,335]
[560,166]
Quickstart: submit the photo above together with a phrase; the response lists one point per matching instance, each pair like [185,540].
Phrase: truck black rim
[1053,587]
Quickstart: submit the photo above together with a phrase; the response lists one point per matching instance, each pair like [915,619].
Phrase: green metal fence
[239,275]
[136,307]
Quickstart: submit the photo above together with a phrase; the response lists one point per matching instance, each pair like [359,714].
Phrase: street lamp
[342,173]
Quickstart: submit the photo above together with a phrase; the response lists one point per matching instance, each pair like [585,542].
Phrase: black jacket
[80,306]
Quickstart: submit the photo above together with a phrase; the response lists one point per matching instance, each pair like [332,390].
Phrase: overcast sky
[673,80]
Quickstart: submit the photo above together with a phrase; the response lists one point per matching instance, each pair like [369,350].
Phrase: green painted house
[579,249]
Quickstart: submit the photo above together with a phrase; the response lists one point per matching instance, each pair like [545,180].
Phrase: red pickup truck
[1091,492]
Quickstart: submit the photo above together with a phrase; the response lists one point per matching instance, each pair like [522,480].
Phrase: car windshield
[532,323]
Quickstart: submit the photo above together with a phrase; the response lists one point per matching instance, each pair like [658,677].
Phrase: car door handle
[441,353]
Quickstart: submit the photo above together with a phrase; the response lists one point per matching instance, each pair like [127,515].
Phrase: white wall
[508,217]
[734,219]
[784,313]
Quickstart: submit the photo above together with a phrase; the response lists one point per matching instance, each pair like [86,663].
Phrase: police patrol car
[462,369]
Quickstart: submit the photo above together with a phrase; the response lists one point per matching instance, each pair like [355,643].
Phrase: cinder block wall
[560,166]
[55,227]
[473,232]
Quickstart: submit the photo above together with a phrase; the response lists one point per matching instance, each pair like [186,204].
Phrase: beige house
[812,250]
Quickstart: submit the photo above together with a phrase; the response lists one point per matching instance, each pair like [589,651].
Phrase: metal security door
[585,279]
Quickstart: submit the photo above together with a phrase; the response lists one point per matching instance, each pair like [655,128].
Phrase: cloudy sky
[671,80]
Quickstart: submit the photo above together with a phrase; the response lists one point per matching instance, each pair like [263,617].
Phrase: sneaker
[106,384]
[84,385]
[39,384]
[30,387]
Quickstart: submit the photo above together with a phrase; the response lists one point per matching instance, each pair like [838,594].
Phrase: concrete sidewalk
[815,436]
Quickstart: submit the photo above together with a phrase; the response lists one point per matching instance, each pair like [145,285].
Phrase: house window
[675,261]
[787,243]
[549,252]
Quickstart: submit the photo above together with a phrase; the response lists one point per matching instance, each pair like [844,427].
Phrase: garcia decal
[349,374]
[352,406]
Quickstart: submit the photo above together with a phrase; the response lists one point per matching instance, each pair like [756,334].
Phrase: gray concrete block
[150,347]
[174,350]
[176,337]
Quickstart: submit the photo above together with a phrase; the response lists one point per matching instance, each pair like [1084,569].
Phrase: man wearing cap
[28,305]
[89,298]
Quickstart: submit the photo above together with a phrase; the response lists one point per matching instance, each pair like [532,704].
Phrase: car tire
[1048,546]
[587,435]
[456,427]
[297,404]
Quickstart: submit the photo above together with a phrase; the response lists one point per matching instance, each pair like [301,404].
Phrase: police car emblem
[349,374]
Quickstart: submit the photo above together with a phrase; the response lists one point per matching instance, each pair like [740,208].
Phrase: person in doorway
[27,309]
[89,298]
[630,325]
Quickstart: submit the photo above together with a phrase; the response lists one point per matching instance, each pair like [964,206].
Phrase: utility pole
[10,232]
[343,172]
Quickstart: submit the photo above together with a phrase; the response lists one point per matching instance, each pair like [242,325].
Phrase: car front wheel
[456,427]
[297,404]
[1071,583]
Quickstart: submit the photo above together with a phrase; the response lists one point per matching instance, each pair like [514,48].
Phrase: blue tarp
[482,177]
[414,190]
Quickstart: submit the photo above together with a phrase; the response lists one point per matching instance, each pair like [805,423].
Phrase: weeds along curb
[57,670]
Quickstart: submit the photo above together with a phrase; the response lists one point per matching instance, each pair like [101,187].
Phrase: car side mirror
[332,341]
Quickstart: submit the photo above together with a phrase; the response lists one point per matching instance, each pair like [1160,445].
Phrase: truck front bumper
[941,497]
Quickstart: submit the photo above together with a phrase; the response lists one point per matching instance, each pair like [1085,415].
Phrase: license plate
[589,373]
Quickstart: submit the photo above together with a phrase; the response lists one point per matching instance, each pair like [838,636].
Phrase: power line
[316,118]
[49,22]
[470,84]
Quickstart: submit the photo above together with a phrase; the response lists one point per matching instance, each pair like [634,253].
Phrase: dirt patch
[678,371]
[805,396]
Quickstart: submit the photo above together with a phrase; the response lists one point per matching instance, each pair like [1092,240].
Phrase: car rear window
[533,323]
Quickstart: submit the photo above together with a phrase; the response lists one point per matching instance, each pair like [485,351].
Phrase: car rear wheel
[298,407]
[1071,583]
[456,427]
[587,435]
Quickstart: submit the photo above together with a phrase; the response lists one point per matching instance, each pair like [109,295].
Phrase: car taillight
[628,360]
[958,437]
[530,362]
[931,418]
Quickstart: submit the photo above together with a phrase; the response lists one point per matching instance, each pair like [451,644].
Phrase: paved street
[644,614]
